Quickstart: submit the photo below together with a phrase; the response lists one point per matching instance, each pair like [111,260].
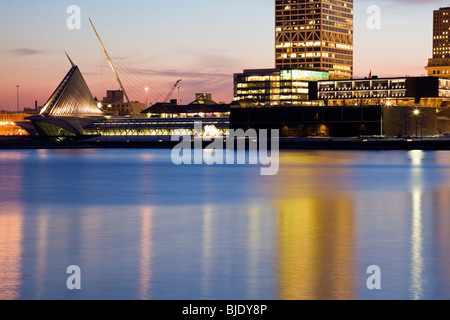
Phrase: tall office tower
[316,35]
[439,65]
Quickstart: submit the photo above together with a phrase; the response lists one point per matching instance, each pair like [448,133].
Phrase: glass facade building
[315,34]
[276,86]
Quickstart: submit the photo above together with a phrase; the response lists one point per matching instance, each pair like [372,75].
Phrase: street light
[416,114]
[146,97]
[17,98]
[387,104]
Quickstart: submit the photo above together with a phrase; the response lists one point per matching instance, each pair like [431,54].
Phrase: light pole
[17,98]
[416,114]
[146,98]
[381,134]
[387,105]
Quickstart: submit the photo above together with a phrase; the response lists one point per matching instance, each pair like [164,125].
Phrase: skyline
[32,52]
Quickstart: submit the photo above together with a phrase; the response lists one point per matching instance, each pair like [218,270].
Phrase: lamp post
[387,105]
[381,134]
[416,114]
[146,98]
[17,98]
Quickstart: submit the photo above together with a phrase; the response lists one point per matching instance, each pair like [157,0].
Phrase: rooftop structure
[72,97]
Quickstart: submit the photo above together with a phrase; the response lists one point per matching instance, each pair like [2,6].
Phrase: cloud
[173,73]
[25,52]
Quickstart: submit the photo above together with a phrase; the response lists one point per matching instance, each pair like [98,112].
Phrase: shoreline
[33,142]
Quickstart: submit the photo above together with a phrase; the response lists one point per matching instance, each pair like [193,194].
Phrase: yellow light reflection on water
[417,260]
[315,249]
[417,248]
[11,223]
[315,233]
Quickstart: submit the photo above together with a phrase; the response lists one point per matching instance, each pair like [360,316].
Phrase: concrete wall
[401,121]
[444,125]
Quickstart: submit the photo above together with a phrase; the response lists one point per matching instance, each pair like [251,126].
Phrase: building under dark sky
[315,35]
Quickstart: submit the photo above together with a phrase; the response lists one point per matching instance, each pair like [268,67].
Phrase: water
[140,227]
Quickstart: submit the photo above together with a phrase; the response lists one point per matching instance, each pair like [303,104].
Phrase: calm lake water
[140,227]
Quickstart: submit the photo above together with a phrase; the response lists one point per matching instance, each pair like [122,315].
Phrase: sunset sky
[154,43]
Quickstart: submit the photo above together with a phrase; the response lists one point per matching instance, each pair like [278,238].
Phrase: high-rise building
[439,65]
[316,35]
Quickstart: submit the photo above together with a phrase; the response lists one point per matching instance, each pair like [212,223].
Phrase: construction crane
[171,91]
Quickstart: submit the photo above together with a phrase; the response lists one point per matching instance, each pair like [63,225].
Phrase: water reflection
[41,252]
[255,249]
[416,246]
[207,251]
[442,232]
[315,232]
[146,254]
[417,261]
[308,233]
[11,223]
[236,248]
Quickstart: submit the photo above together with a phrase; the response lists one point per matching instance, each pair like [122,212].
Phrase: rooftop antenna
[112,67]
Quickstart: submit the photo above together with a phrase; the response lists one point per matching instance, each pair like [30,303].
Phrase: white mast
[112,67]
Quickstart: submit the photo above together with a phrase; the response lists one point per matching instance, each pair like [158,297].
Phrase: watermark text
[252,148]
[73,22]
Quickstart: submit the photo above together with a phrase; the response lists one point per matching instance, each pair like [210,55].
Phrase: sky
[155,43]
